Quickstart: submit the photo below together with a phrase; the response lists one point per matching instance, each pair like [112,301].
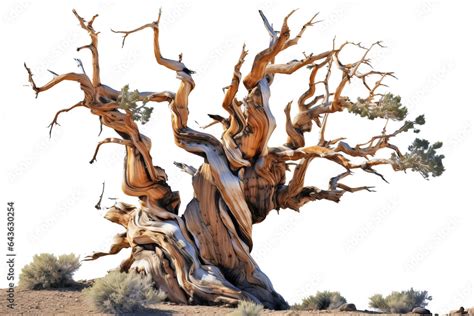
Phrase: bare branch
[79,64]
[303,121]
[82,79]
[120,242]
[92,46]
[296,183]
[235,123]
[377,84]
[295,40]
[352,190]
[179,67]
[54,73]
[311,89]
[213,122]
[55,119]
[31,81]
[97,206]
[100,127]
[273,34]
[108,141]
[232,89]
[309,194]
[127,33]
[294,65]
[334,180]
[186,168]
[285,154]
[266,56]
[348,70]
[112,94]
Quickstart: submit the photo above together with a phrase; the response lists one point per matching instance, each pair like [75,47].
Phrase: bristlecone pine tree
[203,256]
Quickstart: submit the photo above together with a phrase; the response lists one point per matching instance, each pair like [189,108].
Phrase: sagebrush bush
[400,302]
[48,271]
[247,308]
[120,292]
[325,300]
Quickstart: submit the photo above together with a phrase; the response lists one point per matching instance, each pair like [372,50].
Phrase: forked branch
[55,119]
[266,56]
[92,46]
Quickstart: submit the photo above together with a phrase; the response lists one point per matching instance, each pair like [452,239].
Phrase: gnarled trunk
[201,257]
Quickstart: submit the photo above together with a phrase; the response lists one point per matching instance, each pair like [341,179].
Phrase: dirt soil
[73,302]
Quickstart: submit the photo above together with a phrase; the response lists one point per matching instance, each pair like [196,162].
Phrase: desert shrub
[48,271]
[247,308]
[120,292]
[400,302]
[325,300]
[378,301]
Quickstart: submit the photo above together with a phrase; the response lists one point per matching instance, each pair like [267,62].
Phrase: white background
[410,233]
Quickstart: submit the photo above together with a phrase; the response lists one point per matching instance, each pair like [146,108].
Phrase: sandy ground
[73,302]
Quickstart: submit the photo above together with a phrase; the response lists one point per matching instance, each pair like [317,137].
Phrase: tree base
[198,258]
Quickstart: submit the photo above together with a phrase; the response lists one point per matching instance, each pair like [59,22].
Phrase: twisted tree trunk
[203,256]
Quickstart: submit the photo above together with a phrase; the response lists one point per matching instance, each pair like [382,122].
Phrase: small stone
[347,307]
[421,311]
[459,311]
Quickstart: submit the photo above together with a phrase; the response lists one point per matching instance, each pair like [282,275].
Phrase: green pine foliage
[47,271]
[131,101]
[412,125]
[421,157]
[400,302]
[388,107]
[120,292]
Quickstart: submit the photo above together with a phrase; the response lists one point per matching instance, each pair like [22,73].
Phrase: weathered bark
[204,256]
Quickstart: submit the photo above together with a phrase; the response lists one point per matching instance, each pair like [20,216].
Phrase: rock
[470,311]
[347,307]
[458,312]
[421,311]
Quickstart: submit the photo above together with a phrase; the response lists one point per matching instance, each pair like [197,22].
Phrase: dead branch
[97,206]
[55,119]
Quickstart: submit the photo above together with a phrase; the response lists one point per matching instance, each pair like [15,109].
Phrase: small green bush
[120,292]
[400,302]
[325,300]
[247,308]
[48,271]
